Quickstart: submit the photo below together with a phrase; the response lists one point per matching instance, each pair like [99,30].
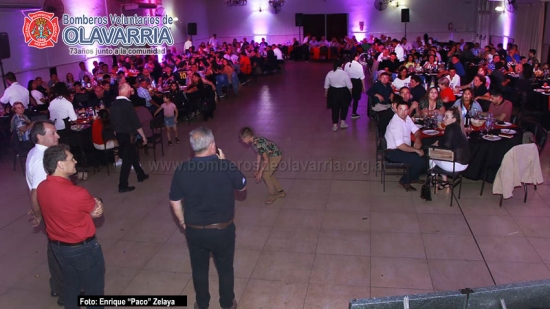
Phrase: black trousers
[221,243]
[356,93]
[418,164]
[338,99]
[129,156]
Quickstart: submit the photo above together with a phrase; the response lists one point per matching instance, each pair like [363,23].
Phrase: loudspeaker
[299,18]
[4,45]
[192,28]
[404,15]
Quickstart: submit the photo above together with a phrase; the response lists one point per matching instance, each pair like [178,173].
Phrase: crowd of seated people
[444,80]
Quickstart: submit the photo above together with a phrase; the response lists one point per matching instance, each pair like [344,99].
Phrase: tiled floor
[336,236]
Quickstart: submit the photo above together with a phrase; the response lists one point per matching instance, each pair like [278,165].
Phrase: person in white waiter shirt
[338,89]
[278,53]
[188,44]
[399,149]
[61,108]
[398,50]
[357,75]
[15,92]
[213,41]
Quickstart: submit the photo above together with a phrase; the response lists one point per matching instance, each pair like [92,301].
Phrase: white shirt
[81,75]
[354,70]
[407,46]
[400,83]
[278,53]
[34,167]
[16,93]
[400,52]
[453,82]
[61,109]
[213,41]
[306,40]
[337,79]
[187,45]
[37,95]
[399,131]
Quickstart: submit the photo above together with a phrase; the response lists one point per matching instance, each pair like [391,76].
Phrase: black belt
[217,226]
[60,243]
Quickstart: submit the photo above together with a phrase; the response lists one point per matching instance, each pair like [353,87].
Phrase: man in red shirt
[68,212]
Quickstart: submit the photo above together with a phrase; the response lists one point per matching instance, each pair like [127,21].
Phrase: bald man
[125,123]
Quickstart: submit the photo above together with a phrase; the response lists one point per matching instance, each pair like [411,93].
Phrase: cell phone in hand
[218,151]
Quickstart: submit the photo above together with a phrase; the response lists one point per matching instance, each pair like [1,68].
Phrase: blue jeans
[83,268]
[221,243]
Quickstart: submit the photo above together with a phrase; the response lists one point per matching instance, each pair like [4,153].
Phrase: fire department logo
[41,29]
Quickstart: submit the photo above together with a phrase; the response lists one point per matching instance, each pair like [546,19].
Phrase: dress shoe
[54,294]
[196,306]
[407,186]
[143,178]
[60,302]
[234,306]
[126,189]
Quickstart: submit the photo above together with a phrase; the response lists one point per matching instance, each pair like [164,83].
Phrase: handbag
[425,192]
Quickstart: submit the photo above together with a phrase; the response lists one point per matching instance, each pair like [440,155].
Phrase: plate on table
[418,125]
[504,124]
[430,132]
[508,131]
[491,137]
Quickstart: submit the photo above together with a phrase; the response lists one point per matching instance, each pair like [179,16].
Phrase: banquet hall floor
[335,236]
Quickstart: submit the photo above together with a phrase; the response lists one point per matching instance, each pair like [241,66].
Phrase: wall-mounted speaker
[4,45]
[404,15]
[192,28]
[299,19]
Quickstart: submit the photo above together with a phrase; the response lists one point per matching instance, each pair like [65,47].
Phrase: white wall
[188,11]
[431,16]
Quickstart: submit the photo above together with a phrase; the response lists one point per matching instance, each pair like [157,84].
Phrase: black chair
[106,136]
[541,136]
[399,168]
[448,155]
[156,124]
[379,155]
[20,151]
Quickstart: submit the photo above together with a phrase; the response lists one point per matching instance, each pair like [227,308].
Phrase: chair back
[383,144]
[541,135]
[156,123]
[441,154]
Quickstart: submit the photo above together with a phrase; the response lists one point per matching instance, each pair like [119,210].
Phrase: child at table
[170,117]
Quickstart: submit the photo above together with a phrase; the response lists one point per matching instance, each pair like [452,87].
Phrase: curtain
[529,27]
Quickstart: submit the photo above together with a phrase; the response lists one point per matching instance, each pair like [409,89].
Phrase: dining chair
[156,124]
[379,154]
[20,151]
[520,166]
[447,155]
[108,152]
[399,169]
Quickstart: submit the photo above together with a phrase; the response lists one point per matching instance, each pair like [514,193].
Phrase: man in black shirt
[390,65]
[207,183]
[125,123]
[417,90]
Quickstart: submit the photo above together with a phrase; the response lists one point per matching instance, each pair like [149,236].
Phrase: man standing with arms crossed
[207,183]
[68,211]
[43,135]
